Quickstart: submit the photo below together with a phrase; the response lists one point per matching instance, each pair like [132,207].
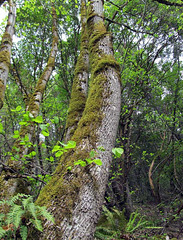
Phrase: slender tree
[5,49]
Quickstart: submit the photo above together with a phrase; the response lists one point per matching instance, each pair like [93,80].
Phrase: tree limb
[169,3]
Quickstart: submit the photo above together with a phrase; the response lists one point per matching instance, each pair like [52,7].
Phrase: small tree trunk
[5,49]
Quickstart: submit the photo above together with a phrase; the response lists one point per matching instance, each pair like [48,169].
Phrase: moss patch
[5,57]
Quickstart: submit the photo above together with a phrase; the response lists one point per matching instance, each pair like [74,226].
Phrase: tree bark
[75,197]
[5,49]
[80,82]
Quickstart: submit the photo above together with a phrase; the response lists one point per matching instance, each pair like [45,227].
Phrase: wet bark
[75,197]
[5,49]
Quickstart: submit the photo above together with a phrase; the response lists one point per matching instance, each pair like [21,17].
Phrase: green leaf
[16,136]
[69,168]
[1,127]
[81,163]
[56,119]
[23,232]
[59,153]
[51,159]
[46,134]
[56,148]
[98,162]
[32,154]
[18,108]
[70,144]
[101,149]
[23,123]
[89,160]
[43,145]
[38,119]
[43,127]
[92,154]
[117,152]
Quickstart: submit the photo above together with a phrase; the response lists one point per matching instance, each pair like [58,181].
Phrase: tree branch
[169,3]
[126,26]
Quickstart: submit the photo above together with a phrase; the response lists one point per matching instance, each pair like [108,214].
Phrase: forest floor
[167,223]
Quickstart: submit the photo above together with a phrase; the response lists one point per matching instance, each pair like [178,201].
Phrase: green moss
[78,96]
[6,39]
[51,62]
[5,57]
[107,61]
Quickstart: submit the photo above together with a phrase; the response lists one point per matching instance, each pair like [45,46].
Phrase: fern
[26,201]
[21,211]
[15,214]
[2,232]
[43,212]
[23,232]
[112,224]
[134,223]
[31,208]
[37,224]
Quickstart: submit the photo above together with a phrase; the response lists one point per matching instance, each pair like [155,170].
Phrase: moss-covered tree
[5,49]
[75,197]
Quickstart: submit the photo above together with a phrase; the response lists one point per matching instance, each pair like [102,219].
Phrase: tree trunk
[5,49]
[75,197]
[80,82]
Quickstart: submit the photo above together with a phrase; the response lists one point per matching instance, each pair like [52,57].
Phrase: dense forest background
[144,195]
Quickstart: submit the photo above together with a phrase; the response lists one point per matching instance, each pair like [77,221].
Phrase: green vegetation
[19,214]
[57,146]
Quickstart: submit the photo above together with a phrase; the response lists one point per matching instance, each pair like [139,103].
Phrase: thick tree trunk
[5,49]
[10,179]
[75,197]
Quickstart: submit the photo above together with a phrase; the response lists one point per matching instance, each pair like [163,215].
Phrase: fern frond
[26,201]
[104,233]
[2,232]
[31,207]
[1,217]
[16,198]
[15,214]
[23,232]
[37,224]
[43,212]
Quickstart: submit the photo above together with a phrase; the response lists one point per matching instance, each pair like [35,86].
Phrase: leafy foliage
[20,214]
[113,224]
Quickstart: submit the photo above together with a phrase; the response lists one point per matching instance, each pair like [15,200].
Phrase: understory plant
[113,224]
[19,214]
